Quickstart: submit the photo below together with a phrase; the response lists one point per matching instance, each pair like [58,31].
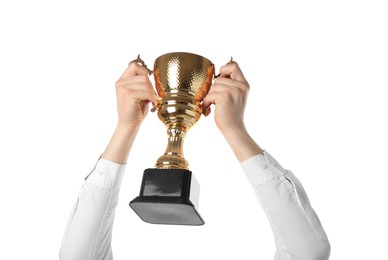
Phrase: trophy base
[168,196]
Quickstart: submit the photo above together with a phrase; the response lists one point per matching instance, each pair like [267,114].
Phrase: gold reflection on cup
[182,80]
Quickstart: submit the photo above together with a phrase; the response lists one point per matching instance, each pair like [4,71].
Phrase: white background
[318,104]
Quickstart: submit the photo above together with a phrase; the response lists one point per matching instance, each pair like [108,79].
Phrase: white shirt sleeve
[297,230]
[89,229]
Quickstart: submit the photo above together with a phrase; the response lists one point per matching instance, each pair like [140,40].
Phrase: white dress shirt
[297,230]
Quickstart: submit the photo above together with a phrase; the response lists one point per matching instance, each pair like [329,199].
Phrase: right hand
[134,92]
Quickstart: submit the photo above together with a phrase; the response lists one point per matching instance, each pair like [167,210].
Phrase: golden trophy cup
[169,193]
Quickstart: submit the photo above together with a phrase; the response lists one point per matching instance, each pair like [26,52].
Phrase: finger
[215,89]
[233,71]
[134,89]
[135,80]
[224,85]
[138,82]
[148,94]
[144,95]
[211,98]
[134,69]
[228,82]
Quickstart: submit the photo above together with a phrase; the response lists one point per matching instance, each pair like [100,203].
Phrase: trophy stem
[173,156]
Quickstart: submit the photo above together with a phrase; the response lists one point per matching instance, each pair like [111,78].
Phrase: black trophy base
[165,198]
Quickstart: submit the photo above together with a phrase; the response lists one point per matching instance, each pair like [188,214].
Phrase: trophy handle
[230,62]
[141,62]
[156,106]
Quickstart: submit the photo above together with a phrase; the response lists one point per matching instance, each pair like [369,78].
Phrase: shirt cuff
[262,168]
[106,174]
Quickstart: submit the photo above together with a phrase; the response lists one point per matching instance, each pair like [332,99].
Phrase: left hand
[229,94]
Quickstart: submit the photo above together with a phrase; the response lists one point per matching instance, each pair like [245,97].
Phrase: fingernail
[207,111]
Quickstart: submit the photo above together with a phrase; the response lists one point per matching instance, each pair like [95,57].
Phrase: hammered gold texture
[186,72]
[182,80]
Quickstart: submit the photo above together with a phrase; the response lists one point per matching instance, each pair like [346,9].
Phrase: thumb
[208,100]
[152,95]
[154,98]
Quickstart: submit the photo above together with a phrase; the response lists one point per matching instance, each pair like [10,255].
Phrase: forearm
[120,144]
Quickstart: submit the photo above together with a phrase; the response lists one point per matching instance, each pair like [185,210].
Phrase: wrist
[241,143]
[127,126]
[233,132]
[121,143]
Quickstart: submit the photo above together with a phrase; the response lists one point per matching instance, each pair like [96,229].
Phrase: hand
[133,93]
[229,93]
